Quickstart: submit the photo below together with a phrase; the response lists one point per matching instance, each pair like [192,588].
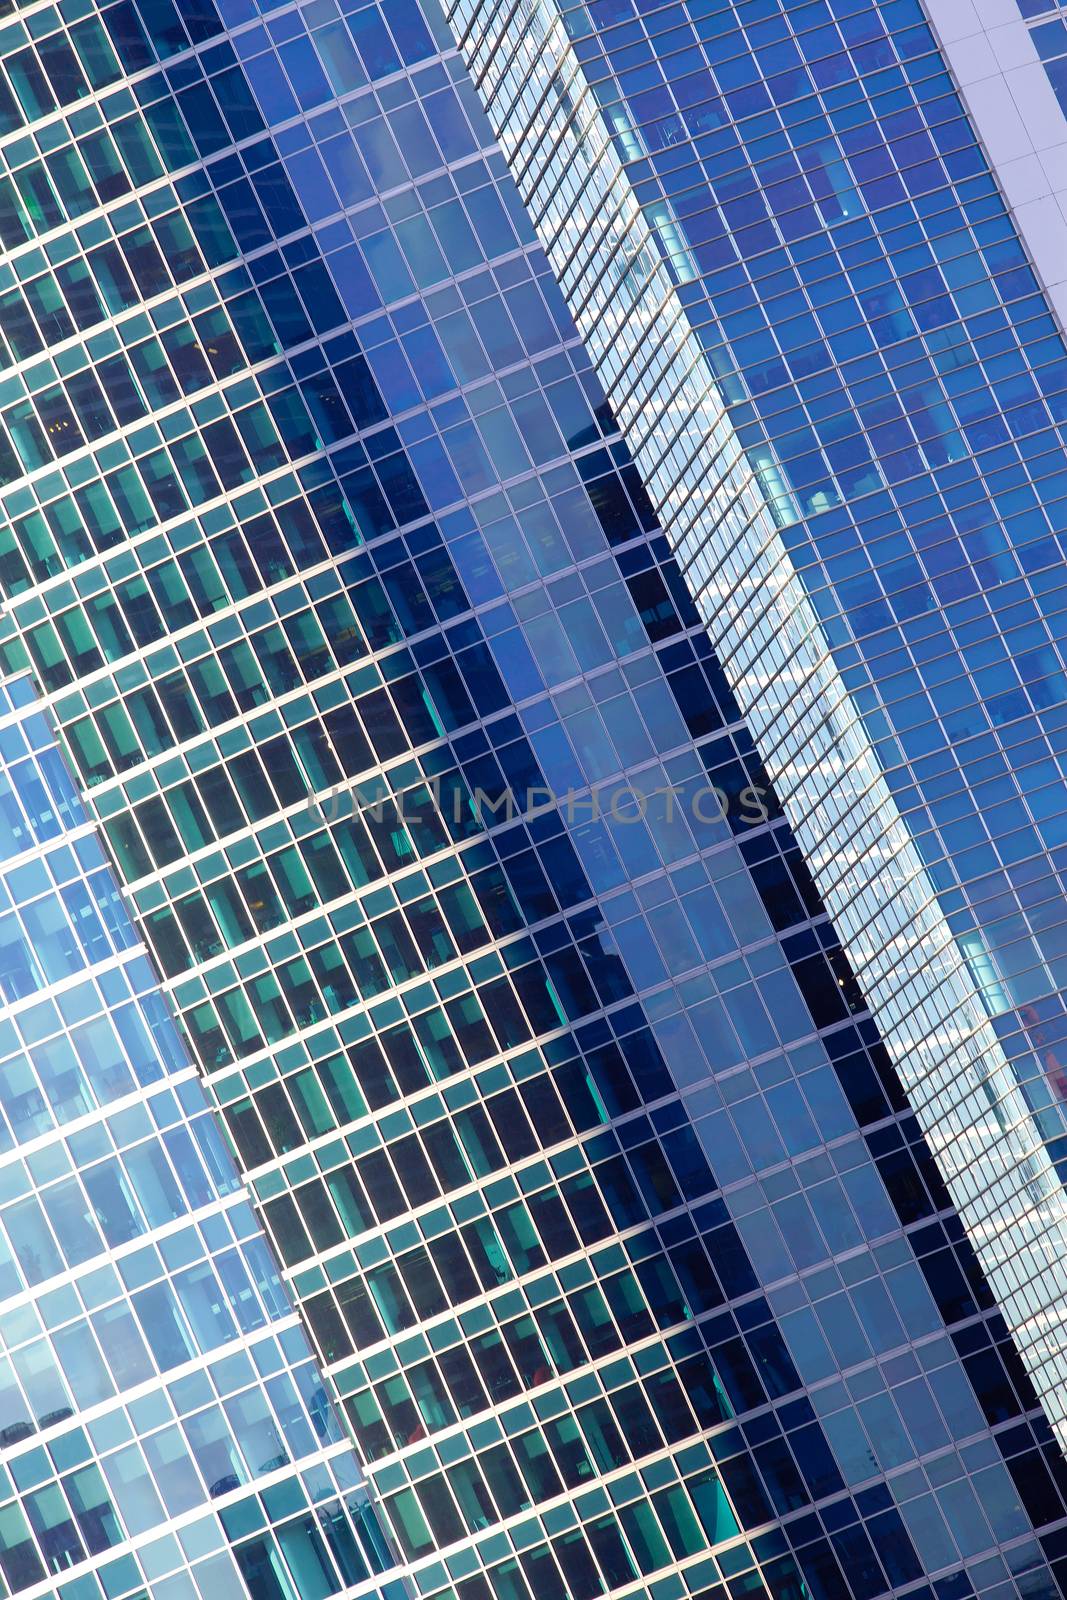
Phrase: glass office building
[819,318]
[340,512]
[164,1429]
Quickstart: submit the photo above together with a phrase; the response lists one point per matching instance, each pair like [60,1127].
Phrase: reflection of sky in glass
[831,303]
[130,1262]
[449,1075]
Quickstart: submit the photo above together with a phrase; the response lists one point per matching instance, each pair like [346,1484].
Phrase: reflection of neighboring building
[593,1179]
[153,1367]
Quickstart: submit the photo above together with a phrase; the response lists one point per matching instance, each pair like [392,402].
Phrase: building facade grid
[620,1247]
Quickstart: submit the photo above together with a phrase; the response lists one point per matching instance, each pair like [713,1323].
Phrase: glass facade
[1048,33]
[164,1430]
[621,1247]
[822,276]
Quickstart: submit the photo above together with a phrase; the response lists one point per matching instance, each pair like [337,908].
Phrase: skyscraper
[823,277]
[339,515]
[163,1427]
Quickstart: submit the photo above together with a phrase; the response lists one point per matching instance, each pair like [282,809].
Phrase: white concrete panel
[1019,120]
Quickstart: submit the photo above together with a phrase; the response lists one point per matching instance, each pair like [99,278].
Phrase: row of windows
[290,884]
[417,1167]
[647,106]
[595,1435]
[485,1258]
[75,1515]
[431,1518]
[599,1437]
[403,1408]
[43,1378]
[123,272]
[185,474]
[994,377]
[58,1227]
[315,984]
[343,744]
[61,427]
[522,880]
[49,939]
[401,1062]
[111,1327]
[92,1358]
[597,1422]
[587,1326]
[109,627]
[53,72]
[320,764]
[37,545]
[283,300]
[45,1076]
[60,420]
[130,152]
[391,1299]
[37,796]
[408,595]
[154,372]
[549,1223]
[440,811]
[938,1264]
[599,1557]
[48,1083]
[636,1306]
[429,932]
[484,1137]
[590,1325]
[458,813]
[316,1553]
[271,661]
[387,37]
[382,835]
[535,998]
[405,1061]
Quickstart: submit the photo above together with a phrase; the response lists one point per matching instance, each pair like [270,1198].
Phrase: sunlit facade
[163,1427]
[588,1172]
[788,256]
